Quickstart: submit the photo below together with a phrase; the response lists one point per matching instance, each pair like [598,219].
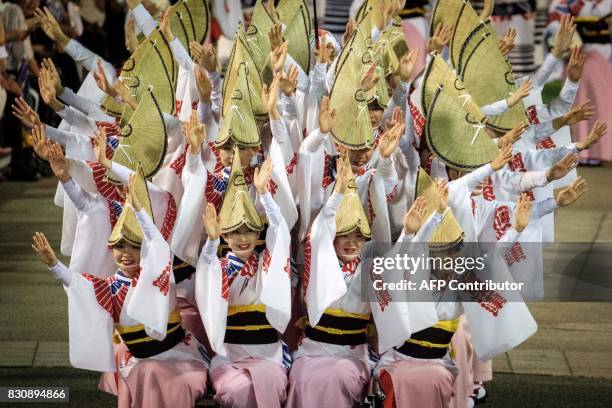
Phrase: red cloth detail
[307,260]
[170,218]
[179,164]
[163,281]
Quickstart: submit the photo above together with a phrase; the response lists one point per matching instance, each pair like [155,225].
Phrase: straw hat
[453,135]
[448,233]
[239,123]
[127,227]
[143,139]
[350,215]
[241,55]
[237,208]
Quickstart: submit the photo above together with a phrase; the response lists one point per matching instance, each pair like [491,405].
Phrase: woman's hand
[45,253]
[211,222]
[262,176]
[414,218]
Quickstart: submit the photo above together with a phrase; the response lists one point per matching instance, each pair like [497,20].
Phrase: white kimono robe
[265,279]
[202,186]
[316,175]
[95,305]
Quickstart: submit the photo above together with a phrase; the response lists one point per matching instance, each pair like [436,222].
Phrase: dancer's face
[376,116]
[127,258]
[359,158]
[242,242]
[348,247]
[226,152]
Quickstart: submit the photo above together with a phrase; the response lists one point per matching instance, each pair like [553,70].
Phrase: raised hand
[42,145]
[25,113]
[414,218]
[58,163]
[571,193]
[351,26]
[575,65]
[442,188]
[47,91]
[323,54]
[203,83]
[123,91]
[520,93]
[598,131]
[130,197]
[369,79]
[164,26]
[99,146]
[269,97]
[205,55]
[406,65]
[342,175]
[278,57]
[513,135]
[507,43]
[45,253]
[131,41]
[262,176]
[503,157]
[101,80]
[51,27]
[564,36]
[390,140]
[562,167]
[440,38]
[522,213]
[195,133]
[289,80]
[275,36]
[49,66]
[583,112]
[211,222]
[327,116]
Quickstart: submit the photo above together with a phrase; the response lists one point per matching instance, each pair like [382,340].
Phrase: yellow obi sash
[339,327]
[247,324]
[432,342]
[143,346]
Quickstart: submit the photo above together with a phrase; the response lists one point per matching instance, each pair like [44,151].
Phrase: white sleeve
[313,141]
[563,103]
[181,55]
[216,95]
[317,82]
[148,227]
[428,227]
[495,108]
[532,179]
[478,176]
[79,102]
[281,135]
[272,209]
[386,168]
[145,21]
[541,208]
[548,67]
[209,250]
[61,136]
[87,58]
[204,111]
[61,272]
[78,196]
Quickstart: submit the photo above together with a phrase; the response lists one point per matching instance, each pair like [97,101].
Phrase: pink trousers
[250,383]
[327,382]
